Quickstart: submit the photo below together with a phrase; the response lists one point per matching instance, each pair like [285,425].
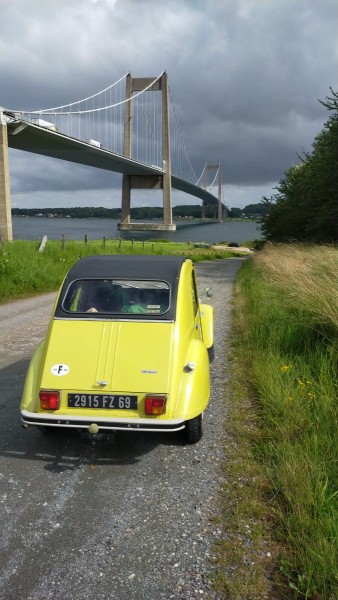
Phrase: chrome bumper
[30,419]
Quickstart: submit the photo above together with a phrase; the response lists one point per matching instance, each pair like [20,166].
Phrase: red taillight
[49,400]
[155,405]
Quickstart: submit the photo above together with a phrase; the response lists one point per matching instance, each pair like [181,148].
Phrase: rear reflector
[155,405]
[49,399]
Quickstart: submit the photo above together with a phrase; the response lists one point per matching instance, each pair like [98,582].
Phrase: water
[34,228]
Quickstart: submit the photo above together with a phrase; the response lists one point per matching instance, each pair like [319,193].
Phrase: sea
[34,228]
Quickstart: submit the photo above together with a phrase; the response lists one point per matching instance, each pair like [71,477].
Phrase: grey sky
[245,76]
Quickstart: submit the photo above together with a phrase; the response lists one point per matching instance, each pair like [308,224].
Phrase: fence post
[86,239]
[104,243]
[43,243]
[63,241]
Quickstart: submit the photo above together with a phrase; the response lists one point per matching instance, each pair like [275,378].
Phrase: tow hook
[93,429]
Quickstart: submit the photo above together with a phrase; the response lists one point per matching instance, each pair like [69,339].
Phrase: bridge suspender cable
[201,175]
[216,175]
[49,111]
[182,139]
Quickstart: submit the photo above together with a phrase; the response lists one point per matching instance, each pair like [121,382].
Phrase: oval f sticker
[60,370]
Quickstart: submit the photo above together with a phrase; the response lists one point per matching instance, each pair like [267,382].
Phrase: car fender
[207,323]
[194,391]
[32,383]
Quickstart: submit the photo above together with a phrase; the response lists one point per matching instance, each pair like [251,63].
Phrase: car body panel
[114,352]
[207,322]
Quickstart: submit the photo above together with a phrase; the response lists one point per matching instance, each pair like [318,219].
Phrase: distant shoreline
[183,212]
[228,219]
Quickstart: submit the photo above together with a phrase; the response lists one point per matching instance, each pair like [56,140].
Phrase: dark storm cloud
[40,173]
[245,76]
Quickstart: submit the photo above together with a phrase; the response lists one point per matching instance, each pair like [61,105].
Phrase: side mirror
[208,292]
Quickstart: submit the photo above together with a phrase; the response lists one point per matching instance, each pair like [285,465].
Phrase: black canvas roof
[160,268]
[127,266]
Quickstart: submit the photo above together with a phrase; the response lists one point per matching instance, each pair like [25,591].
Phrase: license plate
[105,401]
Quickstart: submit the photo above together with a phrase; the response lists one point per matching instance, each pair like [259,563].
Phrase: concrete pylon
[6,231]
[220,212]
[207,169]
[161,181]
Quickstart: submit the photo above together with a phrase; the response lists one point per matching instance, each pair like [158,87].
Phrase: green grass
[24,271]
[286,337]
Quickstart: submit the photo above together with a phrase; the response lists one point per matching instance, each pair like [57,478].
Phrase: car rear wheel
[194,430]
[211,353]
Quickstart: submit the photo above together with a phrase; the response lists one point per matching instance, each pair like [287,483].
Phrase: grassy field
[24,271]
[285,356]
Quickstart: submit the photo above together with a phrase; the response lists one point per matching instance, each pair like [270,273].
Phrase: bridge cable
[210,186]
[92,110]
[181,134]
[49,110]
[201,175]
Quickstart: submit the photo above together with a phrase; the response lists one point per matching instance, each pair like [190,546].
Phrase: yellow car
[127,348]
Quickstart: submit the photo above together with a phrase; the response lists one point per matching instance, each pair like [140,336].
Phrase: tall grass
[287,314]
[310,276]
[24,271]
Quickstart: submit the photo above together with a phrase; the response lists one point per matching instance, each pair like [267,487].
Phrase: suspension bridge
[130,127]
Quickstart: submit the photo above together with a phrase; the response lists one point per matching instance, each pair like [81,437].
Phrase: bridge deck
[32,138]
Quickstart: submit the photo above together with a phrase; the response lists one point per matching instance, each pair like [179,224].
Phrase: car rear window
[117,296]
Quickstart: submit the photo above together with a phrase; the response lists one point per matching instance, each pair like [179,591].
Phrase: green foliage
[305,207]
[255,210]
[291,347]
[235,213]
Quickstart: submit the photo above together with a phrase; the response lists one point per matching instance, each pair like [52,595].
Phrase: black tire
[194,430]
[211,353]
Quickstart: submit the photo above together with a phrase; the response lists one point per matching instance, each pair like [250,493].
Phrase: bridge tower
[5,197]
[161,181]
[218,169]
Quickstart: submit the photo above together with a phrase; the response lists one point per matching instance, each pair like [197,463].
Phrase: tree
[235,213]
[305,206]
[254,210]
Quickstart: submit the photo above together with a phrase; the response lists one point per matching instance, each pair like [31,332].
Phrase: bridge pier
[6,231]
[220,212]
[218,209]
[161,181]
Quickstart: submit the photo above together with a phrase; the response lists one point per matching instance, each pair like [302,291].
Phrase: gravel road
[125,519]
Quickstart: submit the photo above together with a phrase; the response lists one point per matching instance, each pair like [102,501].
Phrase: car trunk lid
[109,355]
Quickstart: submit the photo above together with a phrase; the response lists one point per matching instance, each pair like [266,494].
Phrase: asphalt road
[129,518]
